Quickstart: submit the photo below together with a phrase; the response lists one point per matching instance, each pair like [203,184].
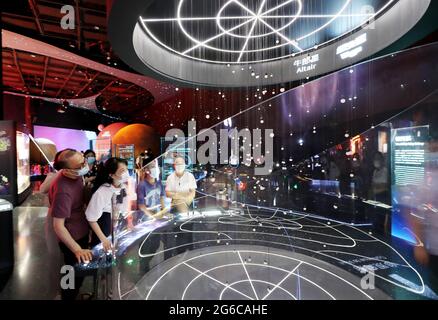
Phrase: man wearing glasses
[66,197]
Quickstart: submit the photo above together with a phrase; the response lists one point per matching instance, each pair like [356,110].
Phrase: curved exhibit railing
[327,191]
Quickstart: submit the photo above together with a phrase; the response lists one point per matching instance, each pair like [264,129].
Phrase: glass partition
[326,191]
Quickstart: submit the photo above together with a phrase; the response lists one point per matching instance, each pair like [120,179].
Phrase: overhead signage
[353,48]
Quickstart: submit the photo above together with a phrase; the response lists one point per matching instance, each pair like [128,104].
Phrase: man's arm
[45,186]
[107,246]
[163,205]
[192,190]
[163,211]
[179,195]
[171,194]
[61,231]
[190,196]
[141,194]
[61,206]
[183,200]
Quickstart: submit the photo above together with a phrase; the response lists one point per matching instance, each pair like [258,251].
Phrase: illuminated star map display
[248,31]
[241,43]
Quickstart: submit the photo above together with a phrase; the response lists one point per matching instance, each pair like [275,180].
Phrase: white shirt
[184,184]
[101,202]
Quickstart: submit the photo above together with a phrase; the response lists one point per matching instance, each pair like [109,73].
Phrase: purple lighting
[66,138]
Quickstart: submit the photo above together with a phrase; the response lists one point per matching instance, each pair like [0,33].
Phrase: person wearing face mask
[180,186]
[90,177]
[67,209]
[150,192]
[111,180]
[50,235]
[45,186]
[90,157]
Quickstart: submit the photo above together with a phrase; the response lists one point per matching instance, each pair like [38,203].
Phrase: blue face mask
[82,172]
[91,160]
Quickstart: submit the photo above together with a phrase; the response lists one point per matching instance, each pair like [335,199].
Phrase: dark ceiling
[43,76]
[40,19]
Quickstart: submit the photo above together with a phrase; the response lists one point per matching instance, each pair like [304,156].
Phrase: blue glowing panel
[408,158]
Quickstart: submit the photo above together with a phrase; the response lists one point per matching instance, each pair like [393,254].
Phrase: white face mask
[123,179]
[179,168]
[82,172]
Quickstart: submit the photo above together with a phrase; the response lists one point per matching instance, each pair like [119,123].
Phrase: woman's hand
[90,179]
[107,245]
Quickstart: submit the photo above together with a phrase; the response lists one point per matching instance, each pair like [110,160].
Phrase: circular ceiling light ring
[145,48]
[254,15]
[204,44]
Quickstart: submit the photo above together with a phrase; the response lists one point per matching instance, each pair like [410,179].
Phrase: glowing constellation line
[212,278]
[282,280]
[420,291]
[247,274]
[252,252]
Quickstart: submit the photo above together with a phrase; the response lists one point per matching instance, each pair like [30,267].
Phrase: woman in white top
[111,180]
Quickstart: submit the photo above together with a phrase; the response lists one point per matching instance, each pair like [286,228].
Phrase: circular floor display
[260,253]
[247,42]
[249,273]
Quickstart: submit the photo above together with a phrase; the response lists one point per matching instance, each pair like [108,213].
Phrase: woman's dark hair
[103,172]
[90,151]
[57,163]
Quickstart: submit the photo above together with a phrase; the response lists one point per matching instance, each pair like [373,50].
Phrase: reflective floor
[35,269]
[233,253]
[37,261]
[248,272]
[262,254]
